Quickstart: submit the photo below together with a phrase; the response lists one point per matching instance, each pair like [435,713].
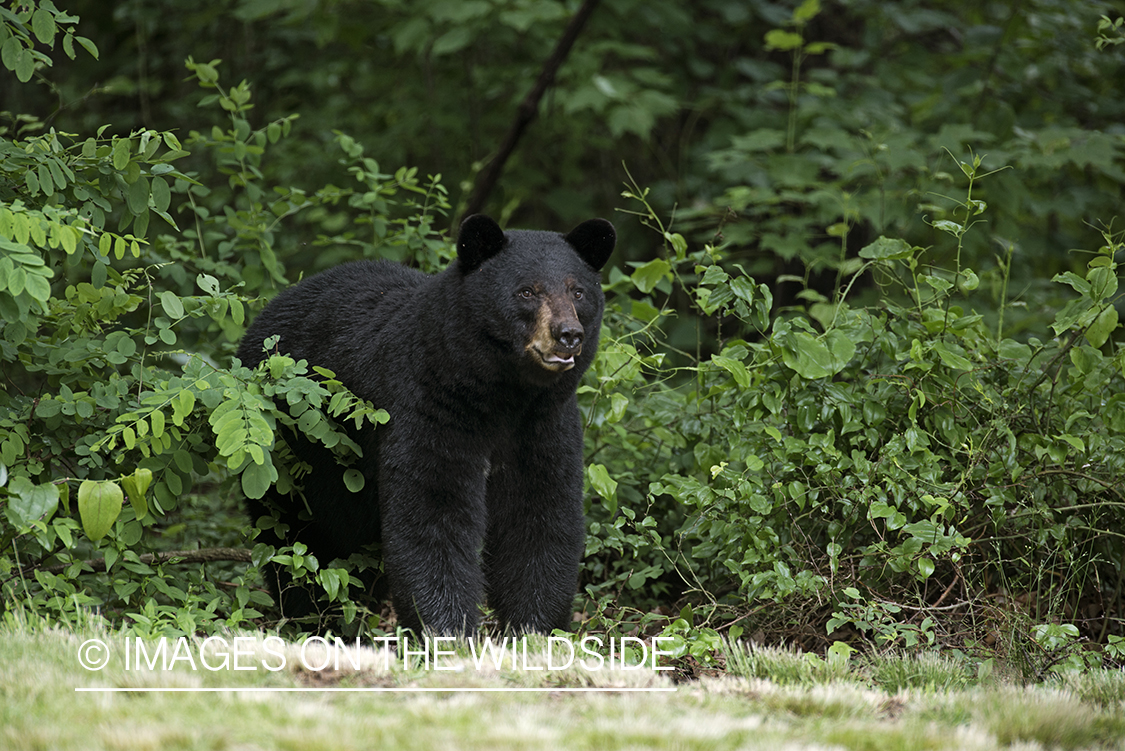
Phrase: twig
[952,584]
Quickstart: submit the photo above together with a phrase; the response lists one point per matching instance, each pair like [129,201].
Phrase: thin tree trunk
[527,110]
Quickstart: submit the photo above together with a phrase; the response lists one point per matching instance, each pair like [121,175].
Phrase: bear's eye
[526,293]
[578,294]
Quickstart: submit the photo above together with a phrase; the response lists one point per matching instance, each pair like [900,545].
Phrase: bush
[900,469]
[118,327]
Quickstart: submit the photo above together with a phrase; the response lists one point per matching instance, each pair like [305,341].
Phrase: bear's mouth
[554,362]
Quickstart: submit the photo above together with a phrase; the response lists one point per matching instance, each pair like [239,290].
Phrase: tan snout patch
[543,347]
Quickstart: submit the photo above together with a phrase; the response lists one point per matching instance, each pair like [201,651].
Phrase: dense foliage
[861,372]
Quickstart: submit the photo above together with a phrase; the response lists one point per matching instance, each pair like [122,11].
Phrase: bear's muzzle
[558,336]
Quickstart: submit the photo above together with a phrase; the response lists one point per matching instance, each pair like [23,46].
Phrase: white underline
[373,690]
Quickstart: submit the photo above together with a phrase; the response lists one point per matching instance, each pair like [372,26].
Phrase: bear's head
[539,293]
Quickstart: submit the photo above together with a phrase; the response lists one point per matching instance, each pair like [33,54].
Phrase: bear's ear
[480,238]
[594,240]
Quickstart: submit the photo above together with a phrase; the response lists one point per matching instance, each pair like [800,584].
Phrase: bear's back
[322,317]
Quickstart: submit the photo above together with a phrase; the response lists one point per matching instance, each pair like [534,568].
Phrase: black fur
[474,487]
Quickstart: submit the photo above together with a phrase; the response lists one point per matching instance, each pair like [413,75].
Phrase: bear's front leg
[536,532]
[433,524]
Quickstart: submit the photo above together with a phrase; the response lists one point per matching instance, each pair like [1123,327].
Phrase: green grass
[772,699]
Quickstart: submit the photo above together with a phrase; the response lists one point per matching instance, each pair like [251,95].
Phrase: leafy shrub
[893,434]
[117,327]
[900,463]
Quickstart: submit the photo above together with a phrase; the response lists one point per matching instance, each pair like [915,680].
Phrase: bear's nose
[570,337]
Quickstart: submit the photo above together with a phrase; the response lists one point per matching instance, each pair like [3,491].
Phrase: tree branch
[527,110]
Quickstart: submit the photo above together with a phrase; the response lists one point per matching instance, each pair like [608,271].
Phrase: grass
[767,699]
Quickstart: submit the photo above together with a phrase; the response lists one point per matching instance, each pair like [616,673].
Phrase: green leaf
[1080,285]
[819,48]
[879,510]
[679,244]
[806,11]
[641,310]
[1097,334]
[121,150]
[17,280]
[329,578]
[1077,313]
[452,41]
[138,195]
[759,139]
[68,238]
[743,288]
[354,479]
[9,52]
[1102,279]
[968,281]
[25,66]
[110,557]
[207,283]
[603,485]
[28,502]
[1074,441]
[950,358]
[161,194]
[1085,358]
[31,180]
[648,276]
[736,368]
[811,357]
[256,479]
[926,530]
[182,406]
[804,354]
[99,504]
[949,227]
[46,182]
[171,304]
[38,287]
[157,418]
[618,404]
[938,284]
[43,24]
[1012,350]
[841,346]
[779,39]
[136,485]
[887,249]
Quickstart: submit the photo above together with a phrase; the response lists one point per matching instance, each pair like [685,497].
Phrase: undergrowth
[901,473]
[887,463]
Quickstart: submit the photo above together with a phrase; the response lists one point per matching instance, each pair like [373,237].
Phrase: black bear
[474,486]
